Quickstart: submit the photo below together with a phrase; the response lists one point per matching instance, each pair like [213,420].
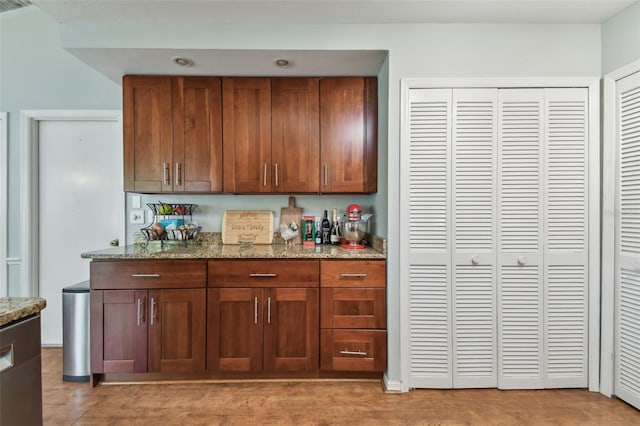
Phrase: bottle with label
[334,232]
[318,234]
[326,229]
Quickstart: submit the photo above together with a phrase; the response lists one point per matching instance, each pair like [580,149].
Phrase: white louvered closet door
[520,233]
[429,238]
[566,238]
[627,258]
[474,132]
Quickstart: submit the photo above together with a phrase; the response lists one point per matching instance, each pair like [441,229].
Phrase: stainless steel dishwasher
[20,373]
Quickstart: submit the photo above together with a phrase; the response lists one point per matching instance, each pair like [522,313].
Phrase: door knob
[475,260]
[522,261]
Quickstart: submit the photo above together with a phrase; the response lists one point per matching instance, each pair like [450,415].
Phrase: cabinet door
[118,331]
[295,134]
[177,330]
[197,134]
[348,125]
[291,329]
[234,332]
[247,134]
[147,133]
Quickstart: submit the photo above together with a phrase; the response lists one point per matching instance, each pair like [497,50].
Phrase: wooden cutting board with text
[255,226]
[292,214]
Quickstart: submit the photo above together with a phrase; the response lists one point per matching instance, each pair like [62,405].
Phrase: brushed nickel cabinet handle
[353,275]
[276,174]
[6,358]
[153,309]
[264,175]
[178,174]
[263,275]
[269,310]
[326,174]
[145,275]
[348,352]
[255,310]
[165,173]
[139,311]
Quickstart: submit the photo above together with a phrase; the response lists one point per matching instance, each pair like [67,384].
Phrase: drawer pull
[348,352]
[263,275]
[6,358]
[145,275]
[354,275]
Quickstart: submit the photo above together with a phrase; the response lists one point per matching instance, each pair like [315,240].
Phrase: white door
[627,244]
[81,206]
[474,131]
[520,234]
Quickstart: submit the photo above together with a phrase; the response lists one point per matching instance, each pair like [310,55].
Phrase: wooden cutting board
[255,226]
[292,214]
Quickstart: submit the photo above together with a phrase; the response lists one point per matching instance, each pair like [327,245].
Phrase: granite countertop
[15,308]
[178,250]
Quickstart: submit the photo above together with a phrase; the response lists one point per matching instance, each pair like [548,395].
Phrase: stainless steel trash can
[76,365]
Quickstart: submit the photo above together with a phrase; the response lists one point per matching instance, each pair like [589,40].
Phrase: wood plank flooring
[314,402]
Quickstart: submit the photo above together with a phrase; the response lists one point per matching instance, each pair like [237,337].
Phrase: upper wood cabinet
[247,134]
[348,129]
[295,134]
[172,134]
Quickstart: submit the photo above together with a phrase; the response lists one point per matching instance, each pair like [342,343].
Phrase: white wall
[415,50]
[621,39]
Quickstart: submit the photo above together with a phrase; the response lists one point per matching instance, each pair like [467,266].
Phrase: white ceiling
[115,62]
[335,11]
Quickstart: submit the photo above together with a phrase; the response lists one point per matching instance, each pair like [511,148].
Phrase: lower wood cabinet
[353,315]
[135,331]
[144,328]
[263,329]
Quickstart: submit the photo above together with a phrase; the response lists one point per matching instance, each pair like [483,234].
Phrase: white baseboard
[391,386]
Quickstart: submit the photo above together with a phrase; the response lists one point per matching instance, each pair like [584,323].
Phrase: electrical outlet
[150,216]
[136,216]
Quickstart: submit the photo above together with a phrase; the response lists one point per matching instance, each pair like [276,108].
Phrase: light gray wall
[621,39]
[415,50]
[36,74]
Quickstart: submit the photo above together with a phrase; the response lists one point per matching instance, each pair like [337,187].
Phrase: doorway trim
[4,206]
[29,140]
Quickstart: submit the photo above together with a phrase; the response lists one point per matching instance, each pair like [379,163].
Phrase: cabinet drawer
[353,273]
[263,273]
[353,308]
[148,274]
[353,350]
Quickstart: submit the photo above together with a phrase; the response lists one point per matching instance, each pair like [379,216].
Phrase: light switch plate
[135,201]
[150,216]
[136,216]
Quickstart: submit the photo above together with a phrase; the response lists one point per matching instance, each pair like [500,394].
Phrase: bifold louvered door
[429,260]
[520,203]
[627,259]
[566,239]
[474,129]
[498,237]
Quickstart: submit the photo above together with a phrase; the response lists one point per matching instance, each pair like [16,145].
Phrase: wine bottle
[335,232]
[318,234]
[326,229]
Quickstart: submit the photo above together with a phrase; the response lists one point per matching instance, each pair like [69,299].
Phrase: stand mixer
[352,231]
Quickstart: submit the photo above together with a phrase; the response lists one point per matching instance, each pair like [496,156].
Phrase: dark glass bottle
[326,229]
[318,234]
[334,232]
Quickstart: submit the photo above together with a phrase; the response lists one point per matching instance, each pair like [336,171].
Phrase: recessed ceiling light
[282,63]
[182,61]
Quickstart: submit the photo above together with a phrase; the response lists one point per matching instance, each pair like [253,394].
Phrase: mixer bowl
[352,234]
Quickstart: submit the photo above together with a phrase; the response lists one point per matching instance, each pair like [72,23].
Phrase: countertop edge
[16,308]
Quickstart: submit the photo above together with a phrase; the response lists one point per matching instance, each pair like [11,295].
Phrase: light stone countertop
[15,308]
[209,246]
[177,250]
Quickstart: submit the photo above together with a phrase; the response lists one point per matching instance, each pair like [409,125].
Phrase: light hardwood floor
[314,402]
